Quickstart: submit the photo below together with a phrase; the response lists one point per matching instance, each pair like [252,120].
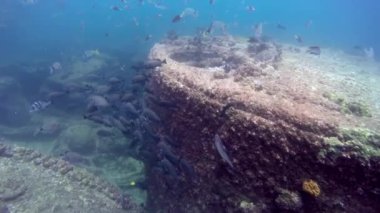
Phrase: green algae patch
[357,108]
[361,142]
[338,99]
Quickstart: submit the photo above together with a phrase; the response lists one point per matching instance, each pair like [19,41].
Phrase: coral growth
[311,187]
[287,200]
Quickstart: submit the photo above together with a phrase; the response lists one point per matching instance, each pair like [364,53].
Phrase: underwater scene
[235,106]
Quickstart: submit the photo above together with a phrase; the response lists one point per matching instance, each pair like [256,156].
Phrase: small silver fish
[38,106]
[222,150]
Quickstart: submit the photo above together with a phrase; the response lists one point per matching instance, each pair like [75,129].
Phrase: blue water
[57,28]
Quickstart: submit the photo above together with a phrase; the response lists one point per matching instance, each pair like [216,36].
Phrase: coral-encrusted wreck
[301,130]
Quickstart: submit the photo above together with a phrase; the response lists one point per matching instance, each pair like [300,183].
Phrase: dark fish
[104,133]
[150,64]
[253,40]
[98,101]
[308,23]
[148,37]
[137,135]
[142,184]
[150,114]
[168,167]
[105,120]
[211,2]
[139,79]
[164,150]
[56,94]
[149,91]
[314,50]
[113,97]
[75,158]
[119,125]
[172,35]
[124,120]
[251,8]
[48,129]
[127,97]
[115,80]
[176,18]
[298,38]
[222,150]
[149,130]
[281,27]
[115,8]
[129,108]
[161,102]
[91,109]
[209,29]
[186,168]
[5,151]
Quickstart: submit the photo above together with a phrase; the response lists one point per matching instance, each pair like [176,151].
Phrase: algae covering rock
[358,108]
[352,142]
[32,182]
[288,201]
[280,126]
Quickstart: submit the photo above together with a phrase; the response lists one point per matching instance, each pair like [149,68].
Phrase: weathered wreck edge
[271,150]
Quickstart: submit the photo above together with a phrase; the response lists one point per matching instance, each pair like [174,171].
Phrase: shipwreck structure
[266,128]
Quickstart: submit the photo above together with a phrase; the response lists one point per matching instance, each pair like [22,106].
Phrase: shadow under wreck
[264,130]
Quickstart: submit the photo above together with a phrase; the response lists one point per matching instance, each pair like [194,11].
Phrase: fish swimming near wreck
[96,102]
[281,27]
[222,150]
[88,54]
[176,18]
[151,115]
[314,50]
[185,13]
[298,38]
[37,106]
[55,68]
[149,64]
[250,8]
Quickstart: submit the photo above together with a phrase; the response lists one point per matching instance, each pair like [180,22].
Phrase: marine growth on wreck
[189,106]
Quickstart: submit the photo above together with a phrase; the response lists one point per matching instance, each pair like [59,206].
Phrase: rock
[274,136]
[248,207]
[265,51]
[287,200]
[79,138]
[25,187]
[13,106]
[11,189]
